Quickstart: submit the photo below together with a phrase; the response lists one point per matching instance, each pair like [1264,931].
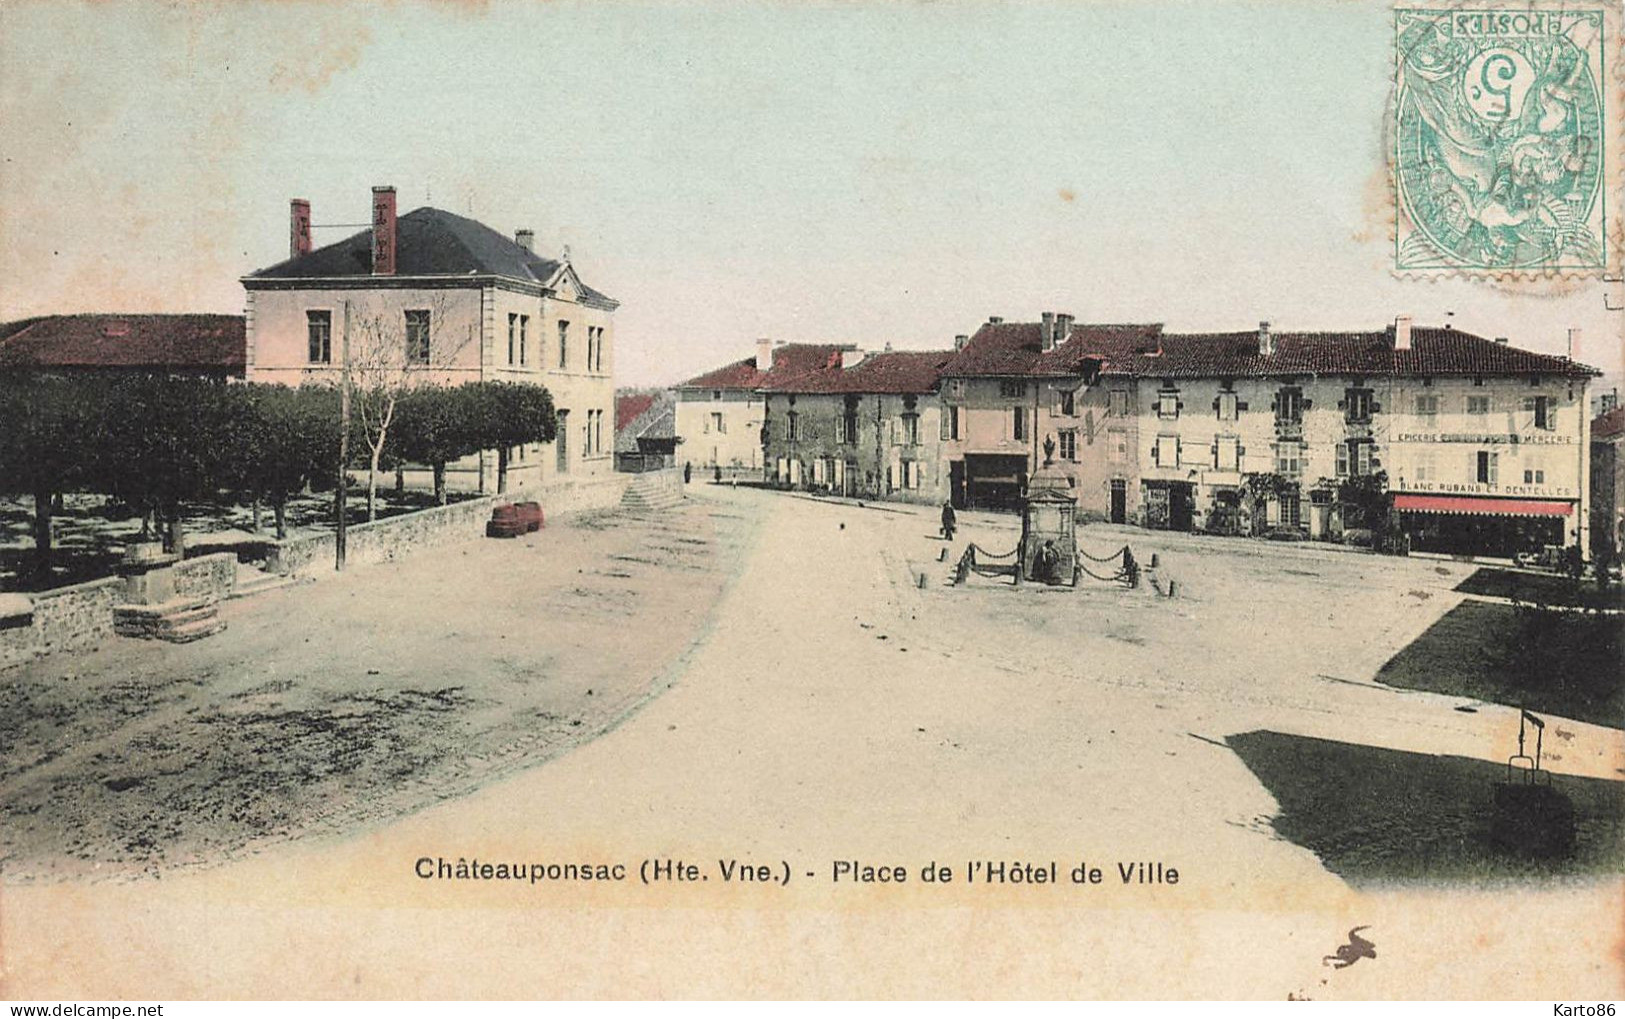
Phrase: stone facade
[864,445]
[81,616]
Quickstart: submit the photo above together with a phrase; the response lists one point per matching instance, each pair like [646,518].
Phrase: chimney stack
[1063,327]
[764,354]
[298,227]
[994,320]
[1046,330]
[1402,332]
[1574,342]
[383,231]
[525,239]
[1266,340]
[1502,340]
[960,340]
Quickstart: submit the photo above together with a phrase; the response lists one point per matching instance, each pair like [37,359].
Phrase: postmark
[1502,143]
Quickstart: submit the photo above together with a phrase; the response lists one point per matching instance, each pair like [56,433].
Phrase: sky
[868,171]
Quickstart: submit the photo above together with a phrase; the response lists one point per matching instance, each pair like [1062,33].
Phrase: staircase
[654,490]
[178,622]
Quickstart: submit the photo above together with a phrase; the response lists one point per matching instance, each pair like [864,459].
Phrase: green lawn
[1378,816]
[1565,663]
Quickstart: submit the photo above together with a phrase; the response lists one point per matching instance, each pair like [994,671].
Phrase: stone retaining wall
[81,615]
[384,540]
[211,576]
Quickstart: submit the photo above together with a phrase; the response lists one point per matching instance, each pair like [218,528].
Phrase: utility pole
[344,445]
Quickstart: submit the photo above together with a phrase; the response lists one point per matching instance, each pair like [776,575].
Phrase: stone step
[256,582]
[195,630]
[177,621]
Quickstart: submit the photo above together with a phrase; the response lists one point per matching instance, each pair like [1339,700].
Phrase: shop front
[1483,525]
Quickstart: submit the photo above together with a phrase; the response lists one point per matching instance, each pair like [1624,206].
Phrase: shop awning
[1482,505]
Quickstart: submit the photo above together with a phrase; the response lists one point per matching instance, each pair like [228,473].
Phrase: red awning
[1477,504]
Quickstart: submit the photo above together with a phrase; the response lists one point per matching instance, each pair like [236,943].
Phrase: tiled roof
[629,406]
[892,371]
[1016,348]
[1433,351]
[650,414]
[800,364]
[1608,424]
[428,242]
[792,362]
[739,375]
[212,343]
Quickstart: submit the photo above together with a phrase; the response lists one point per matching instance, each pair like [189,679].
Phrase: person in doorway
[950,521]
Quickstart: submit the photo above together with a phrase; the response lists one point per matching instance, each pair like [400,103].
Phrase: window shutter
[942,432]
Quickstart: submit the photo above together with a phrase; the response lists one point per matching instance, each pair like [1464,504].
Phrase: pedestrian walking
[949,521]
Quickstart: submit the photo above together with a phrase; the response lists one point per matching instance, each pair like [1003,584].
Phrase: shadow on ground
[1563,663]
[1378,816]
[1552,589]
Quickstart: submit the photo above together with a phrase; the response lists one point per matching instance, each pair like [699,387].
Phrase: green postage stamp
[1504,136]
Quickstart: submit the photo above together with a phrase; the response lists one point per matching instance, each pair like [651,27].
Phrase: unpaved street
[834,710]
[330,705]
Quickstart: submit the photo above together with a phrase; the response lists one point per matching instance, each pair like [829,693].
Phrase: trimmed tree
[48,430]
[512,414]
[288,440]
[171,441]
[435,425]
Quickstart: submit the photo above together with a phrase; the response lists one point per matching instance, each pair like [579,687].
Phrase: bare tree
[392,350]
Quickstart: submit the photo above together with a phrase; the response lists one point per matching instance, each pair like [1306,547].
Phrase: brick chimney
[298,227]
[1063,327]
[383,231]
[1046,330]
[1574,342]
[1402,332]
[1266,340]
[764,354]
[960,340]
[525,239]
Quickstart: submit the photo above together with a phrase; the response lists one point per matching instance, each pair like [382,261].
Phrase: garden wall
[80,616]
[384,540]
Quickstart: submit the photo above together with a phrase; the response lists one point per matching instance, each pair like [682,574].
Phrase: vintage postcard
[709,499]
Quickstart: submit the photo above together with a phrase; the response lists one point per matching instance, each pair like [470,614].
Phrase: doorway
[1119,501]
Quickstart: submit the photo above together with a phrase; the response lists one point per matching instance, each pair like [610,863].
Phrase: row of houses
[1484,446]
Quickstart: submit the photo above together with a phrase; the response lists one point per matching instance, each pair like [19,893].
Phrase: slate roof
[428,242]
[1608,424]
[216,344]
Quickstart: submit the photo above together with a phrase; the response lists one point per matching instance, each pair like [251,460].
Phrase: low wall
[81,615]
[383,540]
[64,619]
[208,576]
[564,496]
